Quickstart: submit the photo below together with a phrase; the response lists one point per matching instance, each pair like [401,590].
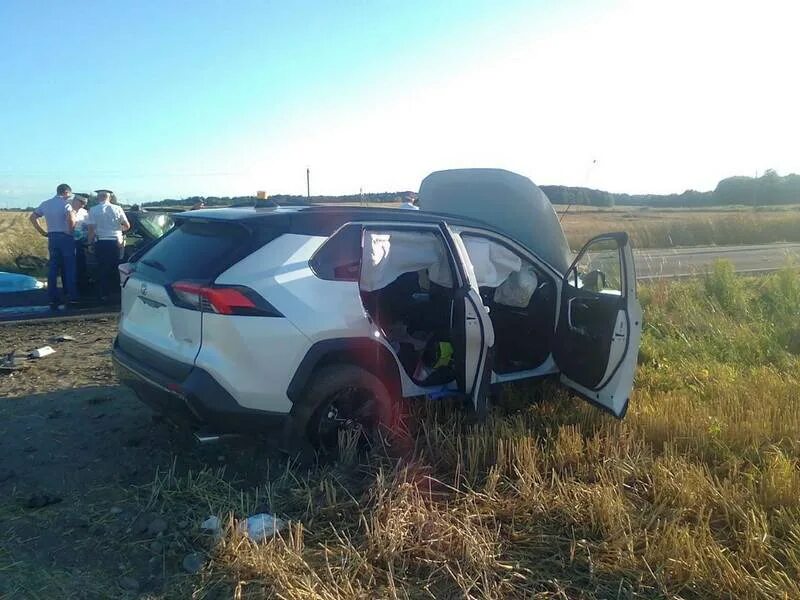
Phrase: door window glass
[598,269]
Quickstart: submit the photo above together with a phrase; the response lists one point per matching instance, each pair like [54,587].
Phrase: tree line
[282,199]
[768,190]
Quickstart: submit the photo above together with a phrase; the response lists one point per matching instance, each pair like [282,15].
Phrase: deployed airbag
[388,255]
[517,290]
[492,262]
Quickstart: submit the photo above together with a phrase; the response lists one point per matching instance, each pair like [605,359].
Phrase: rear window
[196,250]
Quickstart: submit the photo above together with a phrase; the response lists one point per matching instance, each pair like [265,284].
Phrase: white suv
[323,317]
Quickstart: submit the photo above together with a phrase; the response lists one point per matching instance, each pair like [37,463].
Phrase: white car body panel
[319,308]
[253,358]
[148,316]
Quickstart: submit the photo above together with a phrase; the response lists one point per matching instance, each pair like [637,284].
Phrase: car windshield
[156,224]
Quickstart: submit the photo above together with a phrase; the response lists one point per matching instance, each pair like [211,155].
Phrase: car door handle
[570,324]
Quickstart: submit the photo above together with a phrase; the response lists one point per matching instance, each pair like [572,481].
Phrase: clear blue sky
[168,99]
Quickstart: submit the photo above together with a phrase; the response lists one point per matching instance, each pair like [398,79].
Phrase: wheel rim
[352,410]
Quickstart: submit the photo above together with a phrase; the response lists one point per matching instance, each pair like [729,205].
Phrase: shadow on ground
[74,489]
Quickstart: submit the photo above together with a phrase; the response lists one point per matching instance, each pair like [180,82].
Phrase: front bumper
[196,400]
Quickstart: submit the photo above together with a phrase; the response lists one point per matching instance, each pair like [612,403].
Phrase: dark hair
[63,188]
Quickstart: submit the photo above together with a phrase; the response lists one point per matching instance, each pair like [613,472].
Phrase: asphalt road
[683,262]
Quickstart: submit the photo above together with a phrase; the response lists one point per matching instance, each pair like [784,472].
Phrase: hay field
[18,238]
[648,228]
[667,228]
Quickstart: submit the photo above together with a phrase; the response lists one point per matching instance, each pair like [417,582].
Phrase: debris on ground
[261,526]
[62,338]
[212,524]
[193,563]
[42,352]
[9,362]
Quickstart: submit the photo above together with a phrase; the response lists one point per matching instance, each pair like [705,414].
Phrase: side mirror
[594,280]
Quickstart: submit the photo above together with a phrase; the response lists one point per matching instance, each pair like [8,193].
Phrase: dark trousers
[107,252]
[80,268]
[61,247]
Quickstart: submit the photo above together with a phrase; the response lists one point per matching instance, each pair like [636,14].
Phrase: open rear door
[600,323]
[473,335]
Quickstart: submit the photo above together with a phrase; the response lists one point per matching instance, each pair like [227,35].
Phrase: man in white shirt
[106,224]
[80,234]
[410,202]
[60,220]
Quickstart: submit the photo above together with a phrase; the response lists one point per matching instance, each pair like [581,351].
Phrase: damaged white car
[323,317]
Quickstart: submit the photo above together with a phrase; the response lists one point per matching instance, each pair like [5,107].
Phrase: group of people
[72,232]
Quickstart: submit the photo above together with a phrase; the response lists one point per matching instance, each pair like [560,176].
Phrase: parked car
[147,227]
[321,318]
[18,282]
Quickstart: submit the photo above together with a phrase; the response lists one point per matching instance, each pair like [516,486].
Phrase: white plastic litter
[43,351]
[261,526]
[212,524]
[63,338]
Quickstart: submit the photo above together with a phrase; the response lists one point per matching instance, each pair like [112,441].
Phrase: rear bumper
[196,400]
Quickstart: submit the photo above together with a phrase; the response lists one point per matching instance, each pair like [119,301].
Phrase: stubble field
[648,228]
[696,494]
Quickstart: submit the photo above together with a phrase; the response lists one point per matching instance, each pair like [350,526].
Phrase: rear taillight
[221,299]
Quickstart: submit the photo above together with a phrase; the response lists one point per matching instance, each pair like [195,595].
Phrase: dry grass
[696,494]
[667,228]
[18,238]
[647,228]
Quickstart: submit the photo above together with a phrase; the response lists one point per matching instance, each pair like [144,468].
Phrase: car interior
[521,299]
[407,289]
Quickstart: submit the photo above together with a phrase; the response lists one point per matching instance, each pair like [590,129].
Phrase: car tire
[347,397]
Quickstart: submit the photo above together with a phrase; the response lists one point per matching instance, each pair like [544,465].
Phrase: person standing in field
[60,219]
[410,202]
[106,224]
[80,234]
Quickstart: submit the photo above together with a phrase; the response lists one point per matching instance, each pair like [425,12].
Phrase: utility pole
[308,183]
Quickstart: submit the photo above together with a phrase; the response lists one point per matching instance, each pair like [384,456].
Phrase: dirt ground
[75,441]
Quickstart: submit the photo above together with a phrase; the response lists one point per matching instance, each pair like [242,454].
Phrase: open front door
[473,335]
[600,323]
